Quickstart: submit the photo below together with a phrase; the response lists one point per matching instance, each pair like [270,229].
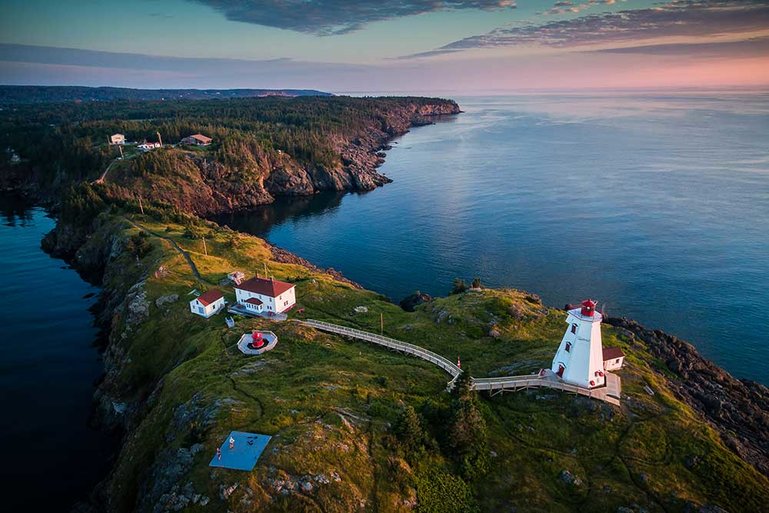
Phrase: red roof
[209,297]
[253,301]
[271,288]
[200,137]
[612,353]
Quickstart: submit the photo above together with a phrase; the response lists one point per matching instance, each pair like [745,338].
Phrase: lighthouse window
[568,347]
[574,328]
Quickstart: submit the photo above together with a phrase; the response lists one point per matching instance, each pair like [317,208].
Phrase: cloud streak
[678,18]
[334,17]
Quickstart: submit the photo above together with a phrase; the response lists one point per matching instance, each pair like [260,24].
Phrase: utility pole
[205,249]
[141,208]
[120,147]
[381,323]
[265,270]
[160,139]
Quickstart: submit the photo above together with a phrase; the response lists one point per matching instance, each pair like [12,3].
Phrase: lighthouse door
[561,368]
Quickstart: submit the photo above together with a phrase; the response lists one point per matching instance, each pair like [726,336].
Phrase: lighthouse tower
[579,359]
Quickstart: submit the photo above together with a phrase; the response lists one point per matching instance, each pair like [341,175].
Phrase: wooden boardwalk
[495,385]
[390,343]
[609,393]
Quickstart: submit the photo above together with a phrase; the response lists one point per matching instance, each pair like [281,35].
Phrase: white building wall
[280,304]
[286,300]
[209,310]
[614,363]
[583,362]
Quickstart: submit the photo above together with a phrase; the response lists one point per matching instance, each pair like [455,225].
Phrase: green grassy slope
[329,403]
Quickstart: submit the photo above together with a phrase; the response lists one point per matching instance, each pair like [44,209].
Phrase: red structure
[257,341]
[588,308]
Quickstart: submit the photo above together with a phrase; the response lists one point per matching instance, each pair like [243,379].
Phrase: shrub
[459,286]
[441,492]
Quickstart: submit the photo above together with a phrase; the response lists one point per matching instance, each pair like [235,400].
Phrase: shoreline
[748,442]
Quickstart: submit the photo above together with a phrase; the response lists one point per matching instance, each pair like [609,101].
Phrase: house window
[616,361]
[574,328]
[568,347]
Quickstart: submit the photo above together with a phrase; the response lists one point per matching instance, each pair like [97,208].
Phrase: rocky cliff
[243,176]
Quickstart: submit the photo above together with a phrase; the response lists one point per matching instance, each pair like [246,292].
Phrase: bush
[459,286]
[441,492]
[139,245]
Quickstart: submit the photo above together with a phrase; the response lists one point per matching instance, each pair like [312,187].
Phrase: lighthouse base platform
[547,379]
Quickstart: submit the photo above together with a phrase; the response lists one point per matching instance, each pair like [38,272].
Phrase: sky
[387,46]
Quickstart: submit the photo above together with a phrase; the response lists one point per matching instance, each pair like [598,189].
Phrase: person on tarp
[232,443]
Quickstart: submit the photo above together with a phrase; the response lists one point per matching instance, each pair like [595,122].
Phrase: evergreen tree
[467,432]
[409,431]
[459,286]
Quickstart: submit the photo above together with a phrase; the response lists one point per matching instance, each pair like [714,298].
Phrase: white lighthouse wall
[584,360]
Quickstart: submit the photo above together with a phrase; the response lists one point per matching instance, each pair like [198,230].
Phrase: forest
[67,141]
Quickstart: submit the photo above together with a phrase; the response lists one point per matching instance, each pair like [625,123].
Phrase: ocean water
[48,369]
[655,205]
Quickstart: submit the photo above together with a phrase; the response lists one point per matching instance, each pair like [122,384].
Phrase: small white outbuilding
[208,304]
[613,358]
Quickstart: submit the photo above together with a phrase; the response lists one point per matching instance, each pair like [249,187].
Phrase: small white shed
[613,358]
[208,303]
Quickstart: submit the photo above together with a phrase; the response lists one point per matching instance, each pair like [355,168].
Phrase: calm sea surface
[48,367]
[657,206]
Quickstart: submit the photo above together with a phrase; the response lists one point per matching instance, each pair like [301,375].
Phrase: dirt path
[176,246]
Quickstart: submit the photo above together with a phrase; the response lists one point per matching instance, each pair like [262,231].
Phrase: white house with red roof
[262,295]
[208,303]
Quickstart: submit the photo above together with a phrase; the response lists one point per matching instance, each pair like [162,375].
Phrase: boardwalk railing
[405,347]
[515,383]
[493,385]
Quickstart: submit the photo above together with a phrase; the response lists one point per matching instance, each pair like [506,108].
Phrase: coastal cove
[177,383]
[644,202]
[49,369]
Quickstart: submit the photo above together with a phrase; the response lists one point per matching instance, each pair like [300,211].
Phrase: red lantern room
[588,307]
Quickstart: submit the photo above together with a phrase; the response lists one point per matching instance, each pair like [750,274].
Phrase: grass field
[329,403]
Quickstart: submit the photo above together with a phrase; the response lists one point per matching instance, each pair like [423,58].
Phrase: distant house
[147,146]
[261,295]
[208,303]
[613,358]
[117,139]
[197,140]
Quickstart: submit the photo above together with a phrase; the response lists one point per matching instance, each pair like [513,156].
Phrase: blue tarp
[248,447]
